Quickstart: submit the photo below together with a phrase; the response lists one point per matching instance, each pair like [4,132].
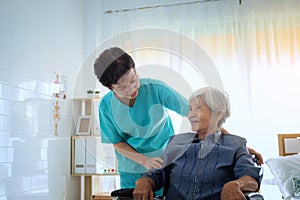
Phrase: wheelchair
[126,194]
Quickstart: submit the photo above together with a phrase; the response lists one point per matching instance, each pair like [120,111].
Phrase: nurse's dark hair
[111,65]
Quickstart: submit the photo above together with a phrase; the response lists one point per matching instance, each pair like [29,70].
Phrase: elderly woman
[204,164]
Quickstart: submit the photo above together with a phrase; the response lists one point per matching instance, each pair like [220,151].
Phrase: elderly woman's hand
[143,189]
[231,191]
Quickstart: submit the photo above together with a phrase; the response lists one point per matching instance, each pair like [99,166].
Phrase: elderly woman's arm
[258,157]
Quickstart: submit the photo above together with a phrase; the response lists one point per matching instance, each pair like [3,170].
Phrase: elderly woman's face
[199,115]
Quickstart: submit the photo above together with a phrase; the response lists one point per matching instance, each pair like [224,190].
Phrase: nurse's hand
[257,156]
[152,163]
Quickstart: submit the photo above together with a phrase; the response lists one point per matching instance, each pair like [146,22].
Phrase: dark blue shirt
[195,169]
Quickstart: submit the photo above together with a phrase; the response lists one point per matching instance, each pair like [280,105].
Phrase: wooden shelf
[91,155]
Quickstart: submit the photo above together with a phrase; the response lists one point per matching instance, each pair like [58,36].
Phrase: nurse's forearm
[126,150]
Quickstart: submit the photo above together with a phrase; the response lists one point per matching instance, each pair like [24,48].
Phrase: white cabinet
[91,157]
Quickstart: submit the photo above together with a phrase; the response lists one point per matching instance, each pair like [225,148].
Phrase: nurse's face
[128,85]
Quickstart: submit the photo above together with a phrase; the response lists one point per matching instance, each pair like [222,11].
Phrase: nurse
[133,115]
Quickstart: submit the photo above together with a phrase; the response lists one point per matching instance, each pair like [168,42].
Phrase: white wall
[37,39]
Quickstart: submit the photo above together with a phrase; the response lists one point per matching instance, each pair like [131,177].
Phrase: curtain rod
[160,6]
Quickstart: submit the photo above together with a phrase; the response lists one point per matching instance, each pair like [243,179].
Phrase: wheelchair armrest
[253,196]
[125,192]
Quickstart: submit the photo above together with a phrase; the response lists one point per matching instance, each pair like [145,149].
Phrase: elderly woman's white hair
[215,99]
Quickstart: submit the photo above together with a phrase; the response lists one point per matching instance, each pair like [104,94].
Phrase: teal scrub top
[146,126]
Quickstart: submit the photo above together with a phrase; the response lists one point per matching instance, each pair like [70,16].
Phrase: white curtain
[254,47]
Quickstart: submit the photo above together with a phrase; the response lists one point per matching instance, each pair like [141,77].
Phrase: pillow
[296,187]
[285,170]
